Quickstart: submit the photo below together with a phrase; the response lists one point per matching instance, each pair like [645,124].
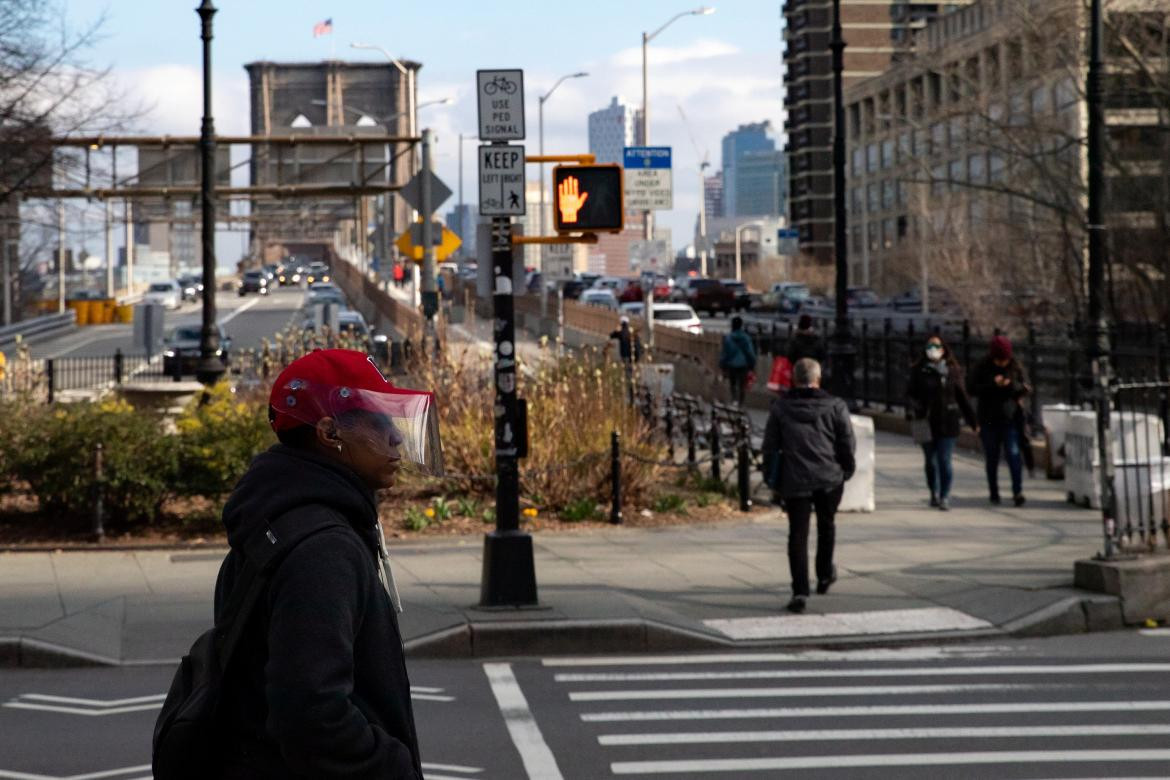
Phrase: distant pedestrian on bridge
[999,385]
[399,274]
[808,455]
[737,358]
[937,405]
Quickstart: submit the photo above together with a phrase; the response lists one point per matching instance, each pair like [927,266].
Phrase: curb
[517,638]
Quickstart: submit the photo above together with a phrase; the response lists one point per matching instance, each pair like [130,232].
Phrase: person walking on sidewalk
[999,384]
[809,455]
[737,358]
[937,405]
[317,686]
[806,342]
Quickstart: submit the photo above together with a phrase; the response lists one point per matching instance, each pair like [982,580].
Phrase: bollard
[99,509]
[119,359]
[50,378]
[887,370]
[865,364]
[743,474]
[177,369]
[690,431]
[615,472]
[715,452]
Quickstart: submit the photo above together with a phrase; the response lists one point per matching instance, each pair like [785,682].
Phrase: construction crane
[704,164]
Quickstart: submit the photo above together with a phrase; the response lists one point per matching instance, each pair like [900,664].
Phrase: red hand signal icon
[570,199]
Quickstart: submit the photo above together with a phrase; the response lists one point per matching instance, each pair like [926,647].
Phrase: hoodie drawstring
[385,573]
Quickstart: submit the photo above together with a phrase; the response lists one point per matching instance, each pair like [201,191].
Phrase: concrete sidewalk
[907,573]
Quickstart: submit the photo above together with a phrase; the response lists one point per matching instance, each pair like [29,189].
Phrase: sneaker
[1018,499]
[797,605]
[944,504]
[824,585]
[933,500]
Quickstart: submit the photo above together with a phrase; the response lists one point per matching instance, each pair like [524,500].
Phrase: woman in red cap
[998,384]
[317,686]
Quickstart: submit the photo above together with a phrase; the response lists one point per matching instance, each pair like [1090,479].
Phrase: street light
[210,367]
[411,92]
[842,351]
[759,226]
[386,120]
[540,123]
[646,38]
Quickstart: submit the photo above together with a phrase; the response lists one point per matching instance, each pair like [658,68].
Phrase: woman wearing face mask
[938,404]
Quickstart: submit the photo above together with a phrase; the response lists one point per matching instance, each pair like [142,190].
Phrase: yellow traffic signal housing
[589,198]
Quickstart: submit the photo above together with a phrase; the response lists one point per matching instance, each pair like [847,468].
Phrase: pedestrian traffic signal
[588,198]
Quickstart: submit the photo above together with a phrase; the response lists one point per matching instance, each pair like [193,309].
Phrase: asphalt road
[247,320]
[1070,707]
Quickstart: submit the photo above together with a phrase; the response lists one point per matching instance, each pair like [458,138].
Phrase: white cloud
[172,96]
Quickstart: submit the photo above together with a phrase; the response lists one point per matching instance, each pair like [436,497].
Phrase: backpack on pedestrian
[186,744]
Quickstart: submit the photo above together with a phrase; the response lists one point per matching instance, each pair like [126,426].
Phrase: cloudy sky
[723,69]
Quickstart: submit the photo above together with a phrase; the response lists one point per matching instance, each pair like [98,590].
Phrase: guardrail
[38,327]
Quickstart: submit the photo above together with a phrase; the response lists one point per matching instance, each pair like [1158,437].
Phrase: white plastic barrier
[1143,490]
[1056,419]
[859,491]
[1136,438]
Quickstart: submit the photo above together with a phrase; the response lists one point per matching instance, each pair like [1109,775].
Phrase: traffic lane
[247,320]
[461,732]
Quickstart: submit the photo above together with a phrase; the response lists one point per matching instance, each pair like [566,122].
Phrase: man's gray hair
[806,373]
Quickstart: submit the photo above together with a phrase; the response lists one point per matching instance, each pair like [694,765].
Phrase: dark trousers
[1005,437]
[738,379]
[939,472]
[825,503]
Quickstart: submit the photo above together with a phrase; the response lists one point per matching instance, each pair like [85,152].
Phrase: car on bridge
[322,293]
[192,285]
[291,273]
[181,349]
[252,281]
[318,272]
[709,295]
[601,297]
[745,299]
[679,316]
[169,294]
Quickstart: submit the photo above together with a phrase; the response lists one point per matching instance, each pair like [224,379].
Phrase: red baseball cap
[333,382]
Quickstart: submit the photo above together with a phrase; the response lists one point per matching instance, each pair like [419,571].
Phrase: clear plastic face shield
[398,425]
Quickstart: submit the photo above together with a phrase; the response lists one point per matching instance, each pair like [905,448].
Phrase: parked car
[711,296]
[169,294]
[744,297]
[600,297]
[252,281]
[181,349]
[941,301]
[862,298]
[677,315]
[317,272]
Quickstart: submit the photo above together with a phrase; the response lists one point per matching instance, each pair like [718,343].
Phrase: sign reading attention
[648,180]
[501,104]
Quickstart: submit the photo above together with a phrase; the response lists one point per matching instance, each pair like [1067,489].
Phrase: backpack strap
[262,550]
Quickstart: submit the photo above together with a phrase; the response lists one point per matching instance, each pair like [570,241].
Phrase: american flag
[323,28]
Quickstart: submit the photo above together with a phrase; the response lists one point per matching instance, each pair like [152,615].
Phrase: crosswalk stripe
[534,752]
[874,654]
[868,711]
[844,735]
[20,705]
[931,671]
[91,702]
[885,760]
[768,693]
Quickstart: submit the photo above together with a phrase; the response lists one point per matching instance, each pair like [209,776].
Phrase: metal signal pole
[210,367]
[842,350]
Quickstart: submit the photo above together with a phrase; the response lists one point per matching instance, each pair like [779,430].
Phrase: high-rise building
[613,128]
[745,139]
[761,184]
[713,195]
[876,32]
[463,221]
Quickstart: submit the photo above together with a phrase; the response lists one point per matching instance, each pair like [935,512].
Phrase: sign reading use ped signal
[501,104]
[648,180]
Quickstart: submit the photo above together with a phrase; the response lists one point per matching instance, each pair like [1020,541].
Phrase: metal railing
[1140,446]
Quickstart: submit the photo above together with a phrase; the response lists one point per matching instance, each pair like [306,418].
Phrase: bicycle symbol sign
[501,104]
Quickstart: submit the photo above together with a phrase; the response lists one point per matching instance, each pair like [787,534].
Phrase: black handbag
[187,744]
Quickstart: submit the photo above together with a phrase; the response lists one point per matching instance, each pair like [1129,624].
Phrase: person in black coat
[809,456]
[318,686]
[999,385]
[939,402]
[806,342]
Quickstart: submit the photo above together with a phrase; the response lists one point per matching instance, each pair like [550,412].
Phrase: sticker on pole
[501,104]
[501,181]
[648,178]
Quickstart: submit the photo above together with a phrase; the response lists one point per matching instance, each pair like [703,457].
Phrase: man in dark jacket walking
[737,358]
[808,449]
[806,342]
[318,685]
[999,384]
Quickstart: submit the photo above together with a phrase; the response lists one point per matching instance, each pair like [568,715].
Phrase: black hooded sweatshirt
[318,687]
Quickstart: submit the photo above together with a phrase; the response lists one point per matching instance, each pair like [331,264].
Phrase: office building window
[906,145]
[887,153]
[873,196]
[977,169]
[889,190]
[938,180]
[873,230]
[871,157]
[996,169]
[956,174]
[1040,103]
[938,138]
[858,161]
[888,233]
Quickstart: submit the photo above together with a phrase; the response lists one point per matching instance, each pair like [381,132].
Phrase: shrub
[217,440]
[53,449]
[581,509]
[671,502]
